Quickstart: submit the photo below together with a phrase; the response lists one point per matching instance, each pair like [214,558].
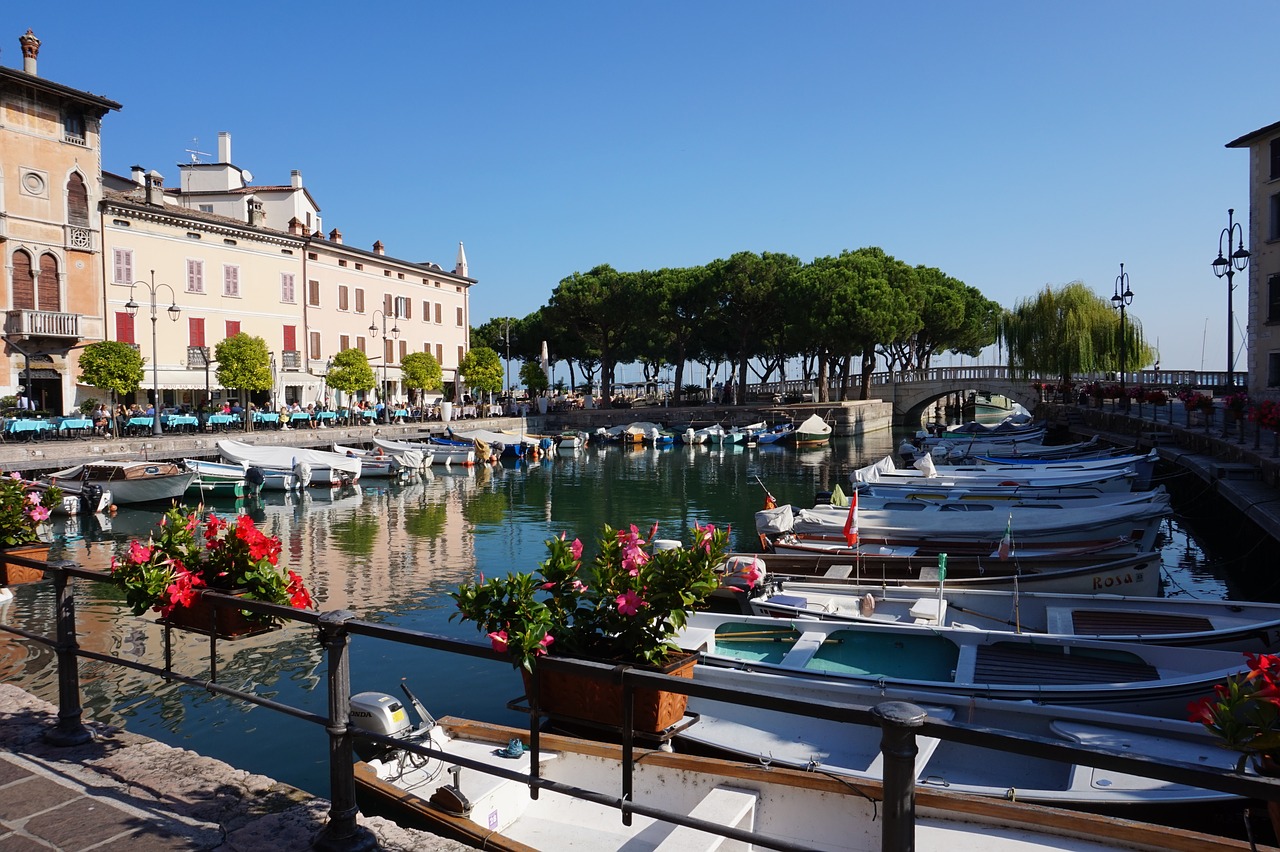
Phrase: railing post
[898,723]
[70,729]
[342,832]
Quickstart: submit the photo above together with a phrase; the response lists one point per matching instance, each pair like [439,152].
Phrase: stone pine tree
[244,364]
[111,366]
[351,373]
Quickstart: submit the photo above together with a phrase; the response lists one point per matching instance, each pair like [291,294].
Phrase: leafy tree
[597,307]
[111,366]
[481,369]
[1069,330]
[244,363]
[421,372]
[351,373]
[533,378]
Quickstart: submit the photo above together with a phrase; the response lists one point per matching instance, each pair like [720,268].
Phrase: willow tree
[1069,330]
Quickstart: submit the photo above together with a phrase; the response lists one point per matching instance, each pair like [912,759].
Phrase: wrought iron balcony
[291,359]
[23,323]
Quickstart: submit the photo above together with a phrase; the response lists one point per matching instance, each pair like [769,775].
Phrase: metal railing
[900,722]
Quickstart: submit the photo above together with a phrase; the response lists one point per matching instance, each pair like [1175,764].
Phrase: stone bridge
[911,392]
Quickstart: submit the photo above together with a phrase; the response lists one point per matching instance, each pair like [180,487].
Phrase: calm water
[392,553]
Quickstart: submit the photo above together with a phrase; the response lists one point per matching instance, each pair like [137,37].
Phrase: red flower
[299,597]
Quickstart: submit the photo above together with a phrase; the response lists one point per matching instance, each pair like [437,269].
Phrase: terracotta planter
[202,617]
[16,575]
[572,696]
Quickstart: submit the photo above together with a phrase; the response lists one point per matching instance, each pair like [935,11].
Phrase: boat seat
[804,650]
[697,638]
[1011,663]
[838,572]
[1135,742]
[1123,623]
[815,604]
[928,611]
[723,806]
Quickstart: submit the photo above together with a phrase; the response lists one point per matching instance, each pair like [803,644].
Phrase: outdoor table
[223,420]
[369,414]
[140,425]
[185,422]
[468,411]
[331,416]
[401,414]
[80,426]
[28,430]
[495,410]
[266,417]
[299,417]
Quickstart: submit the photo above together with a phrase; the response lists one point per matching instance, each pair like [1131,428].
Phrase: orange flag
[851,522]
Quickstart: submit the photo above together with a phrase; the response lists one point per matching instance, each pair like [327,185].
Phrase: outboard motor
[254,478]
[302,471]
[90,498]
[379,713]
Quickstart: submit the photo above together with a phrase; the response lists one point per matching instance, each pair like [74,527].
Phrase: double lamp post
[386,354]
[1121,301]
[174,312]
[1227,266]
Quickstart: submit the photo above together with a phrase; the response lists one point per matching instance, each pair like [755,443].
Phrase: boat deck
[1050,665]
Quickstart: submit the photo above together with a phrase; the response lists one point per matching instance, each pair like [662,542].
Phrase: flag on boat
[851,522]
[1006,543]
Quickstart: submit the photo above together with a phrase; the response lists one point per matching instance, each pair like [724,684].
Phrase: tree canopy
[421,372]
[351,372]
[111,366]
[244,363]
[481,369]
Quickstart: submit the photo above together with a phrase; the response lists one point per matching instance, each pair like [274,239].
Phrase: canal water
[391,552]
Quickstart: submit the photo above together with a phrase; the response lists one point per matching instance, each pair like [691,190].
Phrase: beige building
[1262,356]
[50,230]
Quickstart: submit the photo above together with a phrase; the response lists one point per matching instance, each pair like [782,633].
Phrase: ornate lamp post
[1121,301]
[174,312]
[1228,266]
[395,335]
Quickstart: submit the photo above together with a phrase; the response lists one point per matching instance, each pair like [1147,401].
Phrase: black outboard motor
[90,498]
[254,478]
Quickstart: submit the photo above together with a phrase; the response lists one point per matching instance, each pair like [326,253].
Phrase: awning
[179,379]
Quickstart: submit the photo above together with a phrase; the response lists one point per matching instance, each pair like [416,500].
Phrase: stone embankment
[128,793]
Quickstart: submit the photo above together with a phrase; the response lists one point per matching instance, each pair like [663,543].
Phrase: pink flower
[38,513]
[705,535]
[543,644]
[139,552]
[632,559]
[629,603]
[498,639]
[548,586]
[17,477]
[630,539]
[576,549]
[34,498]
[578,586]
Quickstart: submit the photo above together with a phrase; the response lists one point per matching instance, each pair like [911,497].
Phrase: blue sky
[1010,144]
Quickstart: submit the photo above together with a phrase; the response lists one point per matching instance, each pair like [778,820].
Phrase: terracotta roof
[86,98]
[1246,140]
[136,198]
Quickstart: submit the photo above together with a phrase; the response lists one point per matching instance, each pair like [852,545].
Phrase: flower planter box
[224,622]
[572,696]
[17,575]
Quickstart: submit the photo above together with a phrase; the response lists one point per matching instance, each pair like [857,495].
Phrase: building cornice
[1249,138]
[100,105]
[172,217]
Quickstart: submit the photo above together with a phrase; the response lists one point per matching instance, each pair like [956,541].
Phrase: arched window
[24,282]
[48,293]
[77,201]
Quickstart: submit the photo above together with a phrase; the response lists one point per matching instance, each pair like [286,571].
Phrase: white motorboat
[76,499]
[379,462]
[813,432]
[272,480]
[327,470]
[446,453]
[1153,680]
[131,481]
[849,750]
[454,790]
[1218,624]
[1085,472]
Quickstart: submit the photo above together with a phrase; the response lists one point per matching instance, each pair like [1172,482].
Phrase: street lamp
[1122,299]
[395,335]
[1229,266]
[174,312]
[506,337]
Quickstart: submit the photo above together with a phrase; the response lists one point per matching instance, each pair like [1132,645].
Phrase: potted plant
[624,607]
[23,513]
[186,557]
[1236,403]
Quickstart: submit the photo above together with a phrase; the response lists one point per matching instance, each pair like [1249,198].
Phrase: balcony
[291,360]
[48,324]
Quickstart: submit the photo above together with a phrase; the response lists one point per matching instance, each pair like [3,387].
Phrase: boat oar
[739,637]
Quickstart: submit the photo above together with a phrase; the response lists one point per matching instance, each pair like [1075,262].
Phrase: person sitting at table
[150,411]
[226,407]
[101,419]
[236,409]
[284,416]
[311,413]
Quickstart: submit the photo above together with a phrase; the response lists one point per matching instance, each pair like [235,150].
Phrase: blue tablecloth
[69,424]
[401,413]
[326,415]
[223,419]
[265,417]
[21,427]
[369,414]
[146,420]
[299,416]
[176,420]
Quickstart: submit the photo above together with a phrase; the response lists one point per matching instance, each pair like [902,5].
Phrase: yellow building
[50,230]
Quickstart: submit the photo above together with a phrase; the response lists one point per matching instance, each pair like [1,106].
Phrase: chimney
[295,179]
[155,189]
[296,227]
[224,147]
[335,236]
[30,50]
[318,235]
[257,214]
[379,248]
[139,174]
[460,268]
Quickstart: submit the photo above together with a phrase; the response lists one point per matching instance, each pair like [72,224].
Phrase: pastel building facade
[1262,239]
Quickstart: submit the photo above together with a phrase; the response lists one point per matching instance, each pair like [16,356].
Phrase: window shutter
[315,345]
[459,317]
[386,303]
[313,296]
[24,282]
[77,201]
[231,280]
[233,328]
[124,328]
[286,287]
[404,350]
[388,352]
[360,303]
[440,354]
[344,342]
[408,308]
[342,298]
[360,344]
[437,313]
[290,338]
[195,276]
[123,266]
[195,331]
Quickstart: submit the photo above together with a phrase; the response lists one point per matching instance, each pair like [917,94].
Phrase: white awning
[179,379]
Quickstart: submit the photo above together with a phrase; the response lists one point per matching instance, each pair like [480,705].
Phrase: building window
[77,201]
[233,328]
[124,328]
[312,256]
[195,276]
[24,281]
[344,342]
[359,267]
[342,263]
[461,354]
[122,266]
[459,317]
[360,344]
[1273,369]
[313,293]
[73,126]
[359,303]
[1273,298]
[1273,232]
[404,350]
[426,311]
[286,287]
[388,351]
[440,354]
[230,280]
[315,345]
[192,235]
[290,338]
[342,297]
[400,275]
[195,331]
[404,307]
[1275,158]
[205,208]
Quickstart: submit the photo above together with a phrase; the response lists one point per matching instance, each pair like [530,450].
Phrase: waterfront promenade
[126,792]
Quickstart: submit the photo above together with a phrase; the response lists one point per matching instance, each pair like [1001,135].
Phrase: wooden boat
[1048,473]
[1153,680]
[969,527]
[801,809]
[381,463]
[272,480]
[1216,624]
[813,432]
[217,479]
[849,750]
[1080,571]
[327,470]
[446,453]
[131,481]
[571,442]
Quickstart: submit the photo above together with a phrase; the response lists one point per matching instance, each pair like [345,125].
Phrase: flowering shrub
[1156,397]
[182,558]
[23,510]
[1193,400]
[1236,402]
[624,606]
[1244,712]
[1266,414]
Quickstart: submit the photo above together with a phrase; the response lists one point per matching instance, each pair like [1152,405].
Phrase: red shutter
[195,330]
[233,328]
[124,328]
[290,338]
